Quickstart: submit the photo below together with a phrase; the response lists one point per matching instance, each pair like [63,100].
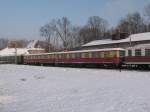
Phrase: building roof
[133,38]
[32,44]
[12,51]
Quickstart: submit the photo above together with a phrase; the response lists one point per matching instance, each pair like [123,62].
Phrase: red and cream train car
[110,56]
[138,55]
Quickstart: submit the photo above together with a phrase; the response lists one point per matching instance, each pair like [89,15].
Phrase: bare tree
[147,15]
[60,33]
[147,11]
[47,31]
[97,26]
[131,24]
[3,43]
[62,28]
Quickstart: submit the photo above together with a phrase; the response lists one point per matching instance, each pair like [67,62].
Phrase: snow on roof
[11,51]
[36,49]
[32,44]
[133,38]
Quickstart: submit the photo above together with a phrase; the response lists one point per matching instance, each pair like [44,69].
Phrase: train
[97,57]
[132,57]
[19,59]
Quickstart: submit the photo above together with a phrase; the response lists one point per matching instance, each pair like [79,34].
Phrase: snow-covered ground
[52,89]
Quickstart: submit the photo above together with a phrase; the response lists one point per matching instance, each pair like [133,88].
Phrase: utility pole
[16,54]
[129,29]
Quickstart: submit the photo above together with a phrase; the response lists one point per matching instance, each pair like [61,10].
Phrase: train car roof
[147,46]
[80,51]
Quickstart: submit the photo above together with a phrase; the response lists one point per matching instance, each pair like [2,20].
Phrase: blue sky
[23,18]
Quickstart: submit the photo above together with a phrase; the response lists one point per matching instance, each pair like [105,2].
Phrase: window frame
[138,52]
[147,53]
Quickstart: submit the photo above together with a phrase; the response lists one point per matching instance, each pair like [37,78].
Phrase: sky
[23,18]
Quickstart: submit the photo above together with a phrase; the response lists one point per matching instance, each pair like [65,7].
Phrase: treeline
[11,43]
[62,34]
[3,43]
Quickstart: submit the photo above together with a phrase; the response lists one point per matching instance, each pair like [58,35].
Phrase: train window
[101,54]
[138,52]
[78,55]
[90,55]
[112,54]
[43,56]
[122,53]
[37,56]
[147,52]
[67,56]
[129,52]
[106,54]
[72,55]
[85,55]
[82,55]
[95,55]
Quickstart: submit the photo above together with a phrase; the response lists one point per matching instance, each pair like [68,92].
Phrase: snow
[52,89]
[11,51]
[32,44]
[20,51]
[133,38]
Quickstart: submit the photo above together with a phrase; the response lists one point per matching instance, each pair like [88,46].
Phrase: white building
[132,40]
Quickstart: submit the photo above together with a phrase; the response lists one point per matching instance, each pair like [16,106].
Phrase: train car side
[138,57]
[99,57]
[11,59]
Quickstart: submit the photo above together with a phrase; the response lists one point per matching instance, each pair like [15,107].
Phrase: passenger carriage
[138,56]
[111,56]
